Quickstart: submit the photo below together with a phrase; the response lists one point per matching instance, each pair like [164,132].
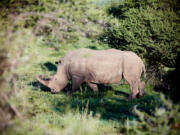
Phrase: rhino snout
[53,91]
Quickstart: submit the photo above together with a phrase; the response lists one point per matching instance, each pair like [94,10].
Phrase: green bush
[164,121]
[149,28]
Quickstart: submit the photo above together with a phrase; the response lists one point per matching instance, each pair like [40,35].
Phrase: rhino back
[103,66]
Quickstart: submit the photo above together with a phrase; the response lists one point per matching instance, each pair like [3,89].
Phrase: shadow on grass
[92,47]
[111,106]
[109,103]
[36,85]
[49,66]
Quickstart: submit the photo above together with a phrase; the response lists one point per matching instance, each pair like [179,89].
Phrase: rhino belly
[101,67]
[107,74]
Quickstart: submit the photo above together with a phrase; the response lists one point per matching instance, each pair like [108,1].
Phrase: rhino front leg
[93,86]
[76,83]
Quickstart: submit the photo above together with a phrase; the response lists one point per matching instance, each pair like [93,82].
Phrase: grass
[108,112]
[85,112]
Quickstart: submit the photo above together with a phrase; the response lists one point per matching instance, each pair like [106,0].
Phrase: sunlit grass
[62,114]
[108,112]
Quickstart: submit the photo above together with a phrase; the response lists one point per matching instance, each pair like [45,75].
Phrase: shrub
[149,28]
[164,121]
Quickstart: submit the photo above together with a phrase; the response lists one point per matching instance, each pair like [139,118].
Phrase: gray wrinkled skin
[98,67]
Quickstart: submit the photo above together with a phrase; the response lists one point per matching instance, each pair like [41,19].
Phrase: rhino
[98,67]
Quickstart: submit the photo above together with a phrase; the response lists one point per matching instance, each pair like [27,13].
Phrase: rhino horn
[44,82]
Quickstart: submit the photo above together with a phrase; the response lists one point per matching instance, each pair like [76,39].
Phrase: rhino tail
[144,70]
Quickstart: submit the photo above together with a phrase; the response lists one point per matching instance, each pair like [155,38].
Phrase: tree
[150,28]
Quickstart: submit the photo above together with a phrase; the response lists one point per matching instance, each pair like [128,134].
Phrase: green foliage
[149,28]
[57,23]
[164,121]
[34,34]
[12,56]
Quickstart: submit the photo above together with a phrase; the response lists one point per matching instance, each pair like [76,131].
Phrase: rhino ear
[59,61]
[44,82]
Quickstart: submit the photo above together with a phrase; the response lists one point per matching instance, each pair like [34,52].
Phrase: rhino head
[56,83]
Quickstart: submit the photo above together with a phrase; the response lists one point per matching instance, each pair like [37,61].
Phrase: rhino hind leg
[134,84]
[134,90]
[93,86]
[141,88]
